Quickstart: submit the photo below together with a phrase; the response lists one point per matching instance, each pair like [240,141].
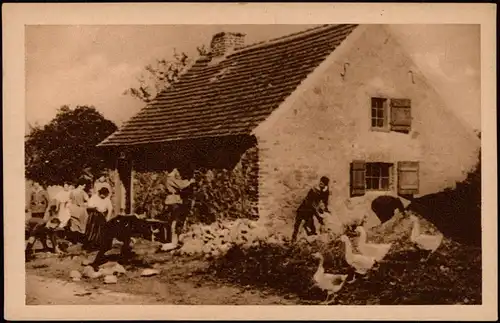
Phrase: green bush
[218,194]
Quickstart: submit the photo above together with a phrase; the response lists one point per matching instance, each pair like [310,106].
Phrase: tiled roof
[233,96]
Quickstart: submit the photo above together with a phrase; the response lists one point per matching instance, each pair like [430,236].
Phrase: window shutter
[358,182]
[401,115]
[408,181]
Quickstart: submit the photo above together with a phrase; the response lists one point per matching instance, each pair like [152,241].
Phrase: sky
[94,65]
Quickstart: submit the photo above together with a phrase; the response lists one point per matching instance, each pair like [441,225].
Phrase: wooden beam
[117,198]
[131,188]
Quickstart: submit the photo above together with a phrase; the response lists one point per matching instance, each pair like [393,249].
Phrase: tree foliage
[158,76]
[65,148]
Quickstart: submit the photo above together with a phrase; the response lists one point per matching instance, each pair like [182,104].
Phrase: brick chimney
[224,43]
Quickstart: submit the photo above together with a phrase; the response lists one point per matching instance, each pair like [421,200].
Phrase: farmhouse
[343,101]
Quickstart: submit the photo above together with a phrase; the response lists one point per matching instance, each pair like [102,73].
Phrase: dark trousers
[305,216]
[178,213]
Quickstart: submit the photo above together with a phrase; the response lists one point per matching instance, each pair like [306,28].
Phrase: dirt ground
[263,276]
[179,283]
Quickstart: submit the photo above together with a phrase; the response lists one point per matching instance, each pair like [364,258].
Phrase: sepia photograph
[308,164]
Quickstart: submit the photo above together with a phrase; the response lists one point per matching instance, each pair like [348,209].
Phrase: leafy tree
[65,149]
[160,75]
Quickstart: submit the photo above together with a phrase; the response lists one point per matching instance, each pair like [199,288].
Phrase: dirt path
[179,283]
[53,291]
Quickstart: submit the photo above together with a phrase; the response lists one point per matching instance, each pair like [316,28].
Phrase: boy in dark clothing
[42,229]
[311,206]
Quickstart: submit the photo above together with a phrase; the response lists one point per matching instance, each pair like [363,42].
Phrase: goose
[424,241]
[175,241]
[331,283]
[375,250]
[360,263]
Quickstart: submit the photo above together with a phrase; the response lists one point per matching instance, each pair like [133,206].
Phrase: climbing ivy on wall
[217,193]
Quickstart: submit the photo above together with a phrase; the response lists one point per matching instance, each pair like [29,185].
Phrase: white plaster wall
[329,126]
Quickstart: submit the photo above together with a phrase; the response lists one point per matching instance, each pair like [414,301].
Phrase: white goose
[331,283]
[424,241]
[175,240]
[375,250]
[360,263]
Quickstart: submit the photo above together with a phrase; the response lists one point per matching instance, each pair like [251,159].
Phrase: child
[100,210]
[42,229]
[315,201]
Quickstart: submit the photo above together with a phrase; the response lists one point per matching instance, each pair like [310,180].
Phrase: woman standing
[78,209]
[101,182]
[39,201]
[175,202]
[100,211]
[61,201]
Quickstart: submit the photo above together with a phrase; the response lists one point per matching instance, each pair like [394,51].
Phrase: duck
[175,241]
[426,242]
[375,250]
[360,263]
[331,283]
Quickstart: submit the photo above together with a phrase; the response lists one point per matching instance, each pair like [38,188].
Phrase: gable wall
[329,126]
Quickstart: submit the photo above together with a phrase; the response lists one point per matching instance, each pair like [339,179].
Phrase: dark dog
[121,228]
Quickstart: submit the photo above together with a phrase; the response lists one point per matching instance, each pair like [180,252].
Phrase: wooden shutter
[401,115]
[408,178]
[358,182]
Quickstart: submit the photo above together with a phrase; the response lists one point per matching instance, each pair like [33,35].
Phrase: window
[378,176]
[379,113]
[391,114]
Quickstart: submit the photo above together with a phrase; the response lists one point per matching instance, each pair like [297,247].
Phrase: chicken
[360,263]
[331,283]
[424,241]
[375,250]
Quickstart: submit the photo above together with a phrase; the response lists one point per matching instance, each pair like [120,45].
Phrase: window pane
[368,184]
[369,170]
[380,113]
[380,123]
[374,122]
[385,170]
[385,183]
[375,183]
[374,113]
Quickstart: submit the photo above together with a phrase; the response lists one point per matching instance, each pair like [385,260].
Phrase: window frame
[386,111]
[380,177]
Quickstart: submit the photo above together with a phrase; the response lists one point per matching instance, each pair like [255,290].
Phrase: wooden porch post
[117,197]
[131,205]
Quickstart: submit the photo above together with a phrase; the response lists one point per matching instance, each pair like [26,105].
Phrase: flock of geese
[369,255]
